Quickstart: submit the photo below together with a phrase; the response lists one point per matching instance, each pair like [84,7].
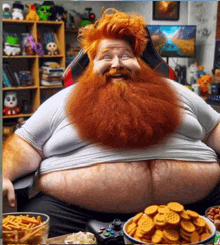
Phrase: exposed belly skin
[131,186]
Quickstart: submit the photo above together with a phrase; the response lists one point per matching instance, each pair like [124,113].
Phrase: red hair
[118,25]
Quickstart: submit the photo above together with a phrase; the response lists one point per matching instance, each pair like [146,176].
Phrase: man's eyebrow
[110,48]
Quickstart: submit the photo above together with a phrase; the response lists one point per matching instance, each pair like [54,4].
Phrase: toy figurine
[52,48]
[57,13]
[32,15]
[201,71]
[6,9]
[10,104]
[44,10]
[12,46]
[18,8]
[193,73]
[205,82]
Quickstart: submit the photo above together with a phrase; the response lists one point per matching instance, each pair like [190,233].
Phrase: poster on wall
[166,10]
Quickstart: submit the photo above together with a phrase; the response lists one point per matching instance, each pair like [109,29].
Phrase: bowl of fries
[25,228]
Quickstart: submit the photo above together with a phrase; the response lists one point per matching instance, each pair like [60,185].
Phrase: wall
[200,13]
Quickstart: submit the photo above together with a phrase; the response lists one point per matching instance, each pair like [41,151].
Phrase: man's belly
[131,186]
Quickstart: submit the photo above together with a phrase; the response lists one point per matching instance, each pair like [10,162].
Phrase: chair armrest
[25,181]
[22,187]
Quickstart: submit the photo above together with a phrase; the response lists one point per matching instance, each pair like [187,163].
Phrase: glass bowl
[25,228]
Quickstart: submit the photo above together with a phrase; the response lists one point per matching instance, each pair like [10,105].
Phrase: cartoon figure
[205,82]
[32,15]
[44,12]
[10,104]
[201,71]
[17,11]
[12,46]
[52,48]
[6,9]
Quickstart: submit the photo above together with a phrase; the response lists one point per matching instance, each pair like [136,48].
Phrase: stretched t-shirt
[50,131]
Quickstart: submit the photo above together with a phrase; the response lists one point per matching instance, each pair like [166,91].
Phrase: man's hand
[8,191]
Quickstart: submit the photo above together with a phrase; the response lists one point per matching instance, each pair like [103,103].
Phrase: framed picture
[166,10]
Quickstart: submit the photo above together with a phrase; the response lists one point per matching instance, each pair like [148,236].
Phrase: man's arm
[213,139]
[19,159]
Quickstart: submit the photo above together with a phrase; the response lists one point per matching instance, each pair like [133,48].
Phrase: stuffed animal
[44,11]
[18,8]
[205,83]
[6,9]
[57,13]
[52,48]
[10,104]
[32,15]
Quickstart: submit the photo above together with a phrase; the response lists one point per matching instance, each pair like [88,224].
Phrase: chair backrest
[150,56]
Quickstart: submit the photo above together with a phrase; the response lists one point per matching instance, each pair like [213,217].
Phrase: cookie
[185,215]
[175,206]
[200,222]
[172,218]
[195,237]
[171,235]
[204,236]
[187,226]
[130,227]
[137,217]
[159,220]
[163,209]
[192,214]
[151,210]
[157,236]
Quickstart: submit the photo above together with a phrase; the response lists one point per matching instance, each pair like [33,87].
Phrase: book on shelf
[5,80]
[10,75]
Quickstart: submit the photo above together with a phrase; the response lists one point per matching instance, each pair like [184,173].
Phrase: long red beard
[133,113]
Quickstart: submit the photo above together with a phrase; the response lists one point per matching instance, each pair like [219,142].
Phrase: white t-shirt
[49,131]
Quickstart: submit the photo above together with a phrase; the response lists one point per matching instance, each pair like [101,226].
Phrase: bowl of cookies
[168,224]
[25,228]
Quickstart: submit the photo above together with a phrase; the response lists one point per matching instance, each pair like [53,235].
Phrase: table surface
[57,240]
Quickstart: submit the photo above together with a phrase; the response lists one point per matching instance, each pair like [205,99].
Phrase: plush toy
[52,48]
[10,104]
[205,83]
[18,8]
[6,9]
[32,15]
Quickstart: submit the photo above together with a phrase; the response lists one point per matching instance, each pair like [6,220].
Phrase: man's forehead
[109,44]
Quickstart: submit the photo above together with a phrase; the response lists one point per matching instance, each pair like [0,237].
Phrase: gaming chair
[150,56]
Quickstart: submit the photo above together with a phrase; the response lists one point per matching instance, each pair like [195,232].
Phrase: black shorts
[66,218]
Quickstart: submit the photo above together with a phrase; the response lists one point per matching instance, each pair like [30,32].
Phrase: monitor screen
[174,40]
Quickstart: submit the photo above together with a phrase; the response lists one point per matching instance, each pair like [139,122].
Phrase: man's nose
[116,63]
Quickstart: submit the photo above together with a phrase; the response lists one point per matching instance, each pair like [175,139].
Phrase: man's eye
[124,56]
[106,57]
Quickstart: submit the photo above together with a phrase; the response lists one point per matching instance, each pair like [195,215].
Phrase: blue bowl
[210,240]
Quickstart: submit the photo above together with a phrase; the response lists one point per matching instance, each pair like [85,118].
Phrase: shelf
[19,88]
[19,56]
[53,86]
[18,115]
[49,22]
[33,94]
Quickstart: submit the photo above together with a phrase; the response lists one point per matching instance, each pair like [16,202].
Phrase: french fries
[23,229]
